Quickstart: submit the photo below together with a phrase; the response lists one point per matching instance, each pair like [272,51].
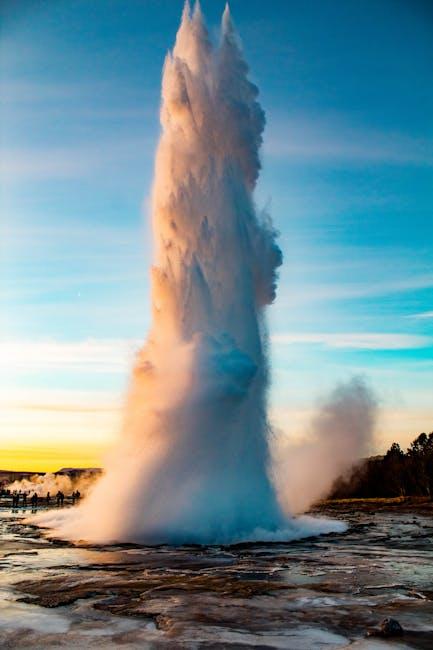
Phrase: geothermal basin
[323,592]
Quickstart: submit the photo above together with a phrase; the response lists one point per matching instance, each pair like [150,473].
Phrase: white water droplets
[192,462]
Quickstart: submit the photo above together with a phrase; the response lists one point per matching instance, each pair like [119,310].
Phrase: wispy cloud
[335,139]
[113,100]
[424,315]
[40,94]
[73,161]
[117,355]
[66,408]
[355,340]
[16,92]
[55,398]
[101,356]
[343,291]
[41,260]
[33,104]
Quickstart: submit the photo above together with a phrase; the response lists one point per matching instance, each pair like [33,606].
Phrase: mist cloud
[340,433]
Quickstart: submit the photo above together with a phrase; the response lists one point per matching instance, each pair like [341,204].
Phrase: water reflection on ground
[324,592]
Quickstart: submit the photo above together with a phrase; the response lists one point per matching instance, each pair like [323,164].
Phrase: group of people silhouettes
[21,499]
[16,496]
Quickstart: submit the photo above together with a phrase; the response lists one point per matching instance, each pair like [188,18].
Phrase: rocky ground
[328,592]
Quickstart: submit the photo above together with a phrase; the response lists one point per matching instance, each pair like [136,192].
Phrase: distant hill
[79,470]
[15,475]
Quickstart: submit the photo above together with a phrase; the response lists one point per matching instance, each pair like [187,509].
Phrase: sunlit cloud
[101,356]
[356,340]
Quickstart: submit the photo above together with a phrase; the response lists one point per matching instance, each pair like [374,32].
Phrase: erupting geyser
[192,463]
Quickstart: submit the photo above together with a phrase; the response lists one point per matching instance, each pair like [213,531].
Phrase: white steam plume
[340,434]
[52,483]
[192,464]
[193,459]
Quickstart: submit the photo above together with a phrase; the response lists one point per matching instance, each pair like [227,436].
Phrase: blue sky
[347,176]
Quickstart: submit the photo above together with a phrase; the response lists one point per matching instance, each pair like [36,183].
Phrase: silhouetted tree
[393,471]
[397,473]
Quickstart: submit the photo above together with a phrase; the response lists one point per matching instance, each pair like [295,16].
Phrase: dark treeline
[396,474]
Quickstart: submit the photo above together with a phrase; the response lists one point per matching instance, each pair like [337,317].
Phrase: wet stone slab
[324,592]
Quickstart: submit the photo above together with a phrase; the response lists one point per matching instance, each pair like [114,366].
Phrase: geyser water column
[192,462]
[199,387]
[214,273]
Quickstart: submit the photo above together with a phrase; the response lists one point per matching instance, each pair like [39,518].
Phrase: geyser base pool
[322,593]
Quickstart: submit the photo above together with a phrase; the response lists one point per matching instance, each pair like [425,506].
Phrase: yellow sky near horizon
[45,430]
[66,436]
[61,402]
[44,458]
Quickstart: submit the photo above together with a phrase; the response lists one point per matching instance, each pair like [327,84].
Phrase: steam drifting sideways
[192,461]
[341,432]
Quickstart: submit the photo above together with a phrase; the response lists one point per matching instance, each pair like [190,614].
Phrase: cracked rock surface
[324,592]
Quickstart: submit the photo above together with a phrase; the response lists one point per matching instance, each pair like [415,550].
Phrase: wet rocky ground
[323,592]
